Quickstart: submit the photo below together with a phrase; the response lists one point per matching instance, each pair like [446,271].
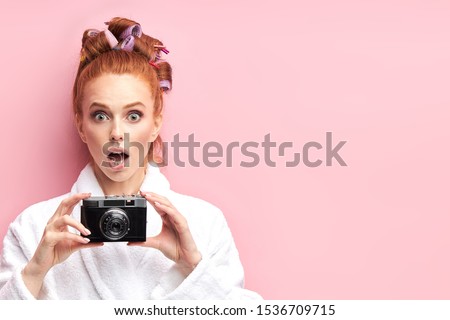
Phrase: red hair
[97,58]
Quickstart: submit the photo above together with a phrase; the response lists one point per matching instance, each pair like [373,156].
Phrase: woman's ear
[157,126]
[79,125]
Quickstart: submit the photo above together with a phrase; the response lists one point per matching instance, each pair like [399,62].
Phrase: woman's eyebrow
[134,104]
[130,105]
[98,104]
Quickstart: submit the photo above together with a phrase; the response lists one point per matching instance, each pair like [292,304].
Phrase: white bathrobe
[117,271]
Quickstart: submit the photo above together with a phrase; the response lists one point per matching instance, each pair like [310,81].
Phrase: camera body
[115,218]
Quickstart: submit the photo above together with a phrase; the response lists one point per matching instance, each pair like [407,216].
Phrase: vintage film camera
[115,218]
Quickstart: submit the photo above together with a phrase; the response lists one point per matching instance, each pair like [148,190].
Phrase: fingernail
[87,231]
[157,203]
[86,240]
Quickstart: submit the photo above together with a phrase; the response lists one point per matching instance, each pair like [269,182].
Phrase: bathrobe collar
[96,260]
[154,181]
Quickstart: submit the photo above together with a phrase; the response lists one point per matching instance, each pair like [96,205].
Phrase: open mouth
[117,157]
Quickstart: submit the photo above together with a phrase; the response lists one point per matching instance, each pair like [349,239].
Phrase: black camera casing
[115,218]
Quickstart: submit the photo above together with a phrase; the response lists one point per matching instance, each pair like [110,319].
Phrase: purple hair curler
[111,39]
[128,43]
[92,32]
[134,30]
[164,84]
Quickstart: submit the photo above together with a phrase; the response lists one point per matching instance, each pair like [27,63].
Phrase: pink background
[375,73]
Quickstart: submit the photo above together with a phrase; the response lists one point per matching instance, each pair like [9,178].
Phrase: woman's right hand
[57,243]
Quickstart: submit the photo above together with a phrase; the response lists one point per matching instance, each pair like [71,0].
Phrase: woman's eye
[100,116]
[134,116]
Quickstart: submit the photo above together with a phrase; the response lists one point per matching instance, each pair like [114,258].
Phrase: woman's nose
[116,132]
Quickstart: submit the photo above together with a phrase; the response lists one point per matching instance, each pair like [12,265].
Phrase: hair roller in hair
[92,32]
[134,30]
[127,44]
[164,85]
[111,39]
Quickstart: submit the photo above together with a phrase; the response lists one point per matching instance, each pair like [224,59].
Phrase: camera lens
[115,227]
[114,224]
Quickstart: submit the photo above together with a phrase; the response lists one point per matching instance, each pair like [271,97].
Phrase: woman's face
[118,125]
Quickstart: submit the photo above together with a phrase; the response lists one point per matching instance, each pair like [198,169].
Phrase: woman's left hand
[175,240]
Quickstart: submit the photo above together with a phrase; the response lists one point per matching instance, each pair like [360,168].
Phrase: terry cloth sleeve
[220,274]
[19,246]
[12,263]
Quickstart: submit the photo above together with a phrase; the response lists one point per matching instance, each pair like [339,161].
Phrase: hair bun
[127,35]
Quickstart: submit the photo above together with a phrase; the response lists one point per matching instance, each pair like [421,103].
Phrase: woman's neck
[127,187]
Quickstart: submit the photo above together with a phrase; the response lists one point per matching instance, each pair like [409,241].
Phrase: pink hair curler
[111,39]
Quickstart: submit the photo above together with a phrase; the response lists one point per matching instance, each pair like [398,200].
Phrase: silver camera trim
[110,212]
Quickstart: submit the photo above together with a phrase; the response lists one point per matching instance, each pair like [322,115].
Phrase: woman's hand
[175,240]
[57,243]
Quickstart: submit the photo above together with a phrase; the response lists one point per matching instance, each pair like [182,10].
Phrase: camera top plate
[112,201]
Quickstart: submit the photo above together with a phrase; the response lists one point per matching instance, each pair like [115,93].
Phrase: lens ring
[114,224]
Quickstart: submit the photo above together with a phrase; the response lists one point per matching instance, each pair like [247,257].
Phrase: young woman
[189,252]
